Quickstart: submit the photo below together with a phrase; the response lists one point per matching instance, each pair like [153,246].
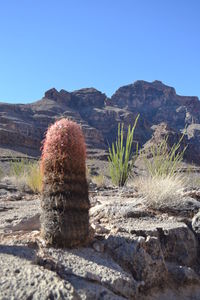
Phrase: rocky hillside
[22,126]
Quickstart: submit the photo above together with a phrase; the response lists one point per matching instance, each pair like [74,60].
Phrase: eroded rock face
[158,103]
[88,98]
[142,257]
[164,131]
[23,126]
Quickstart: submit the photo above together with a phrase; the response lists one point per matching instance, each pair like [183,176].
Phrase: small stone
[99,247]
[141,239]
[100,229]
[196,224]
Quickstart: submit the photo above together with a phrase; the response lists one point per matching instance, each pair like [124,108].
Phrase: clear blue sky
[105,44]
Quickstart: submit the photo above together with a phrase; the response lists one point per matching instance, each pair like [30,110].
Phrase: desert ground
[140,248]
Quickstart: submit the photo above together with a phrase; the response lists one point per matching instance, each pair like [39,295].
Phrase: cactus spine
[65,203]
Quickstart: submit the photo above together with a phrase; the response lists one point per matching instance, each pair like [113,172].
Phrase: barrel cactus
[65,203]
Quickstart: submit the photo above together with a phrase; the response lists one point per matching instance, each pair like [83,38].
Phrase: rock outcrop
[189,144]
[158,103]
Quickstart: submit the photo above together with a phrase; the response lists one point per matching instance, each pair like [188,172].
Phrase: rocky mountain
[22,126]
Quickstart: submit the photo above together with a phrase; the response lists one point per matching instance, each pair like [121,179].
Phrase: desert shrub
[164,161]
[120,157]
[160,192]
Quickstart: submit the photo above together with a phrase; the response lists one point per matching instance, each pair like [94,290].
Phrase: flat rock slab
[12,213]
[89,265]
[21,279]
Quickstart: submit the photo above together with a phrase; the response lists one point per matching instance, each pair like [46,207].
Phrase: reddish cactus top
[64,150]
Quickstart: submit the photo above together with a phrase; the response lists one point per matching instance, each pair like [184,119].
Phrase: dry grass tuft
[34,178]
[99,180]
[160,192]
[1,173]
[19,182]
[24,173]
[165,161]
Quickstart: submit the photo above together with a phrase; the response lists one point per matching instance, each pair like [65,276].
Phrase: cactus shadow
[22,252]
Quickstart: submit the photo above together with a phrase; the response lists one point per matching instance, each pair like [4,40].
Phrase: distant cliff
[23,126]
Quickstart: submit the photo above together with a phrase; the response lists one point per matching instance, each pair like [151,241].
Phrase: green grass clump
[120,157]
[165,161]
[18,167]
